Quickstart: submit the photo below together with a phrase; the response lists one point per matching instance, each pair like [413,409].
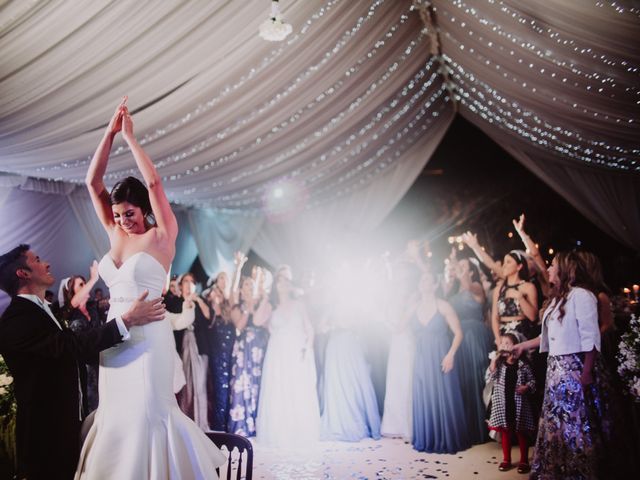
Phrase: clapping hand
[93,271]
[127,125]
[239,259]
[519,224]
[115,124]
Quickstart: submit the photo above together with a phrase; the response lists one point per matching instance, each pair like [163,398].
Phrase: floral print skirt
[575,421]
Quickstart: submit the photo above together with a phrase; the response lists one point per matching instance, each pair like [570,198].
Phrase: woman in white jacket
[575,420]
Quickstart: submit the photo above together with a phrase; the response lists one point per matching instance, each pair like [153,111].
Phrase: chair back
[232,442]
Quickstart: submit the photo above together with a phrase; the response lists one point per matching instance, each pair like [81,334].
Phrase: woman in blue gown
[439,421]
[350,406]
[477,342]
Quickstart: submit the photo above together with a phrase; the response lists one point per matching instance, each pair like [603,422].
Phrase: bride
[138,430]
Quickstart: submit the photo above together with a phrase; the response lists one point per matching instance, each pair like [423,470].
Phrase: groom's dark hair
[10,263]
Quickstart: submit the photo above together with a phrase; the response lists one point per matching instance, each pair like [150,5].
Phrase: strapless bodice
[140,272]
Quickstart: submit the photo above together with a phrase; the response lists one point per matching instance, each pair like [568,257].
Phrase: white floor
[379,460]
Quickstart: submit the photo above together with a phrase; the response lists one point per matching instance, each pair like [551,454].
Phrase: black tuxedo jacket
[44,362]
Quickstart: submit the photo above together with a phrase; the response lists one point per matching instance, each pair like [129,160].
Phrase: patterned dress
[508,409]
[575,423]
[246,374]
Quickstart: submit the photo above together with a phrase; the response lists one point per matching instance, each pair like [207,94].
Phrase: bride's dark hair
[133,191]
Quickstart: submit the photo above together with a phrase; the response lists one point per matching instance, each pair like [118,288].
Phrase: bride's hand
[127,125]
[115,124]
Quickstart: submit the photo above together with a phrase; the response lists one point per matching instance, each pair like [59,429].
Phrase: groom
[44,358]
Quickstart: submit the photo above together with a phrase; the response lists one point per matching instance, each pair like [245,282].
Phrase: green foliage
[7,417]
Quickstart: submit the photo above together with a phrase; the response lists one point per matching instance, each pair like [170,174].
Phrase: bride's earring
[149,219]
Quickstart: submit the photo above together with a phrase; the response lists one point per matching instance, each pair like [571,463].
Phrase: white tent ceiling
[360,92]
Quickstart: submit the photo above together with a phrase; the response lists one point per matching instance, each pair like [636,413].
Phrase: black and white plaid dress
[525,420]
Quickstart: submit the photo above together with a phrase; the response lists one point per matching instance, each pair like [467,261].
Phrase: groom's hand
[143,312]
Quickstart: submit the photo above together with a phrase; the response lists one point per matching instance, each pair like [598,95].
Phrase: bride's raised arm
[165,219]
[98,167]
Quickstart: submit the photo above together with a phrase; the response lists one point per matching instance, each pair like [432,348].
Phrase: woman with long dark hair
[468,303]
[138,429]
[439,420]
[81,314]
[288,410]
[515,299]
[575,420]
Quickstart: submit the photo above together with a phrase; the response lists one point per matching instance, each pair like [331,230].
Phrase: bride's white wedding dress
[138,431]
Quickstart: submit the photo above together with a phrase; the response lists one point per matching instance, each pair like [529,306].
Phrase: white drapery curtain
[48,225]
[81,205]
[555,84]
[316,237]
[226,115]
[217,236]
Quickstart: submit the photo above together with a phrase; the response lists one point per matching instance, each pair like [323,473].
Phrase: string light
[251,74]
[377,117]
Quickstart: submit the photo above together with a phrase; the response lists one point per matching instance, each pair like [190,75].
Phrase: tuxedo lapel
[34,312]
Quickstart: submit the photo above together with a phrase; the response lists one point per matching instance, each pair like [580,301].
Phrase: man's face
[39,274]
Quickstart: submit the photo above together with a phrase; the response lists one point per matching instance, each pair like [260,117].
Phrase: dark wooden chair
[233,442]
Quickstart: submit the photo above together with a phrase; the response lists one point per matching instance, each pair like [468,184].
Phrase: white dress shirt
[577,331]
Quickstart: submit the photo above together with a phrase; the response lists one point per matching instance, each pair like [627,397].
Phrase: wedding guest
[477,341]
[397,420]
[221,335]
[575,420]
[81,314]
[288,411]
[439,420]
[246,372]
[515,299]
[511,410]
[350,407]
[195,351]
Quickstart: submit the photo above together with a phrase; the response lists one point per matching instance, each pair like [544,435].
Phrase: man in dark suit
[45,358]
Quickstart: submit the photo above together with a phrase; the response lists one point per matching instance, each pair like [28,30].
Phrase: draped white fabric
[556,84]
[346,109]
[186,248]
[45,222]
[95,233]
[339,229]
[218,236]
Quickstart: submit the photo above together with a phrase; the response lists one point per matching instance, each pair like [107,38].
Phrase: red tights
[506,446]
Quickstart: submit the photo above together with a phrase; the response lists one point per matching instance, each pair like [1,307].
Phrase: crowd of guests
[512,349]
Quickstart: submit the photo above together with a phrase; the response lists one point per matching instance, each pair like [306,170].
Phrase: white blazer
[577,331]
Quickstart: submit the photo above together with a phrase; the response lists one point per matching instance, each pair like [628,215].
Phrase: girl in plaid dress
[511,410]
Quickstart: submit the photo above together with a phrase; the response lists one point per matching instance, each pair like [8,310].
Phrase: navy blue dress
[472,360]
[222,335]
[439,421]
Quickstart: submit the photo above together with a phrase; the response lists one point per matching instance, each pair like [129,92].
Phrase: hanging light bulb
[274,29]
